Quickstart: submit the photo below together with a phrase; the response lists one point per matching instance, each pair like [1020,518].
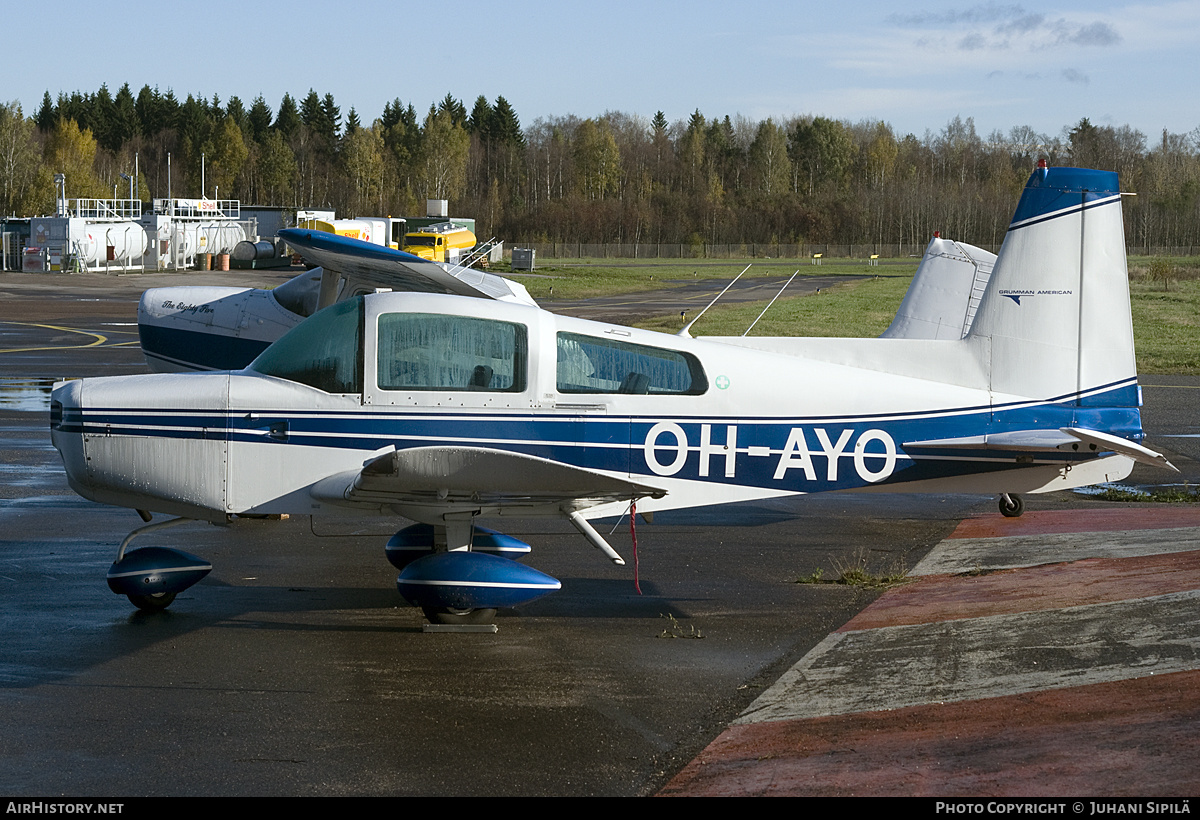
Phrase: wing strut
[589,532]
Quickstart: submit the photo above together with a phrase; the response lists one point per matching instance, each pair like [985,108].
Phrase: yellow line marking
[99,338]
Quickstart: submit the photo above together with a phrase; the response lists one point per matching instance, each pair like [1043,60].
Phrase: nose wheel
[151,577]
[152,603]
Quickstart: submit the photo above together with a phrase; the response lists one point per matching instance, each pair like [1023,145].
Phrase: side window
[587,364]
[422,351]
[324,351]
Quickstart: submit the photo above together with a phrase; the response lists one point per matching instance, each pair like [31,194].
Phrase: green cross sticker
[722,382]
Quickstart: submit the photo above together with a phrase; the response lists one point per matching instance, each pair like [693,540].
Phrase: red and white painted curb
[1057,653]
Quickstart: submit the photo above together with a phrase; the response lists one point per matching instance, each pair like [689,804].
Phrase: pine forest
[612,178]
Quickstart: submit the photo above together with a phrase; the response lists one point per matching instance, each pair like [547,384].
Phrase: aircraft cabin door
[592,436]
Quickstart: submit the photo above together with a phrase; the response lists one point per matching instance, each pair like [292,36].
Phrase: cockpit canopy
[427,351]
[324,352]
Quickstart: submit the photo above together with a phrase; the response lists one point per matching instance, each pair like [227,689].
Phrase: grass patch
[862,308]
[1167,495]
[1113,494]
[854,573]
[1166,324]
[675,629]
[588,278]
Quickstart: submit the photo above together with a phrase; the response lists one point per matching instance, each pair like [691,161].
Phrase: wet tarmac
[296,669]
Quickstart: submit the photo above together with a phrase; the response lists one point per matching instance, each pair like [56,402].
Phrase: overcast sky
[1044,65]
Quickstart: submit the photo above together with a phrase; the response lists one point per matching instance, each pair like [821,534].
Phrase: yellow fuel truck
[443,242]
[376,230]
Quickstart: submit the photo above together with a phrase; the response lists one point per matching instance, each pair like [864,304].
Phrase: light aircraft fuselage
[443,407]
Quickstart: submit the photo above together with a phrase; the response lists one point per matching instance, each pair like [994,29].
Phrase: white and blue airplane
[441,409]
[208,327]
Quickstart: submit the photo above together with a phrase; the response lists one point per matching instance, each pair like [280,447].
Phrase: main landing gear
[459,617]
[1011,505]
[464,585]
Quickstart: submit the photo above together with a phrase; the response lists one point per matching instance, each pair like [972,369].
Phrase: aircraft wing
[451,474]
[388,268]
[1065,439]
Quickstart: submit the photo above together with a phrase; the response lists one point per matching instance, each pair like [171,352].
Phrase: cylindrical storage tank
[220,237]
[176,242]
[376,230]
[183,237]
[247,251]
[99,242]
[82,242]
[123,242]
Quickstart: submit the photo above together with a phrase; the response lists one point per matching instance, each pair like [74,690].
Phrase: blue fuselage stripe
[787,454]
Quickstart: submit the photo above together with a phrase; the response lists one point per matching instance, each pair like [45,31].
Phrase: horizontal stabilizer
[1106,441]
[1065,439]
[945,292]
[1016,440]
[449,474]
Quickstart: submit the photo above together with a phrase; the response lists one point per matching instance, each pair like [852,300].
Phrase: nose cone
[66,431]
[152,442]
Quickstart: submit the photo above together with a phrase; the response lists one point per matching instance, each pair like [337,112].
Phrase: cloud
[1073,76]
[994,27]
[1022,25]
[1093,34]
[987,13]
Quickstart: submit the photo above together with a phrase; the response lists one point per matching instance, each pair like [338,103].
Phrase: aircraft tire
[443,615]
[1013,507]
[152,603]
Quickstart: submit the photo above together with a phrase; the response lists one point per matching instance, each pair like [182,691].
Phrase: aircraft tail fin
[1055,321]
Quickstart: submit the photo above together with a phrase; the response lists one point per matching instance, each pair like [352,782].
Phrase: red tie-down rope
[633,535]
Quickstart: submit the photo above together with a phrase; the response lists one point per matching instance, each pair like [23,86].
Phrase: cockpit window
[587,364]
[423,351]
[324,351]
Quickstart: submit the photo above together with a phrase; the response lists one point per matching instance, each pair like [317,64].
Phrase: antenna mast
[684,330]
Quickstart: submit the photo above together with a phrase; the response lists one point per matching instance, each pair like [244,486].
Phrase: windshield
[299,294]
[324,351]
